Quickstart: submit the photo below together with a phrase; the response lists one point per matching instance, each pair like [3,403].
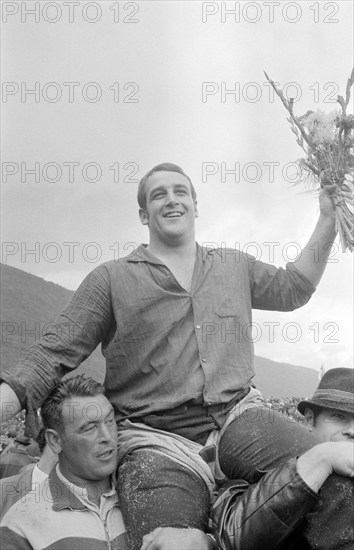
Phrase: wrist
[10,404]
[328,219]
[315,466]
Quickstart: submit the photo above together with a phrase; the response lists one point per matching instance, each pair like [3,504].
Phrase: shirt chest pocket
[226,307]
[221,322]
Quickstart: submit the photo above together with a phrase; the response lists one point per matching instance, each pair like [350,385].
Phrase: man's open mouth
[105,454]
[173,214]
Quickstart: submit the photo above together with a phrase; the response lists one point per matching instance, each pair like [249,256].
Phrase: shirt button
[209,403]
[203,360]
[197,326]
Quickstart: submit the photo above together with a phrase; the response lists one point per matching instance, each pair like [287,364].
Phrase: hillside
[275,379]
[28,303]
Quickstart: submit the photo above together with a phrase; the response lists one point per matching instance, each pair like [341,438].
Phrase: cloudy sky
[96,93]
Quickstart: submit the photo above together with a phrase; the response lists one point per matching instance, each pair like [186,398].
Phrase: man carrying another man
[79,426]
[329,415]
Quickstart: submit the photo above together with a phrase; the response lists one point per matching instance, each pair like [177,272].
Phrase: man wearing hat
[329,416]
[330,411]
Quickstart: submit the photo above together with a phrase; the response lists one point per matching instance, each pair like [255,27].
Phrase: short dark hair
[316,412]
[164,167]
[40,439]
[76,386]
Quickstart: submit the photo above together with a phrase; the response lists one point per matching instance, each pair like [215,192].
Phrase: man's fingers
[147,544]
[348,196]
[149,539]
[330,188]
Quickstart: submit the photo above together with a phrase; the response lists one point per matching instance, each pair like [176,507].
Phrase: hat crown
[335,391]
[341,379]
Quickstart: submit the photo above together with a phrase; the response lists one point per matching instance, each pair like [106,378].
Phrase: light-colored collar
[81,492]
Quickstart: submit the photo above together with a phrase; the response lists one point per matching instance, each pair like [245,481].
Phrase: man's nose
[105,432]
[349,429]
[171,198]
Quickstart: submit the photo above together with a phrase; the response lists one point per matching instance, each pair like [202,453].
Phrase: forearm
[313,259]
[10,404]
[42,367]
[64,345]
[262,516]
[313,468]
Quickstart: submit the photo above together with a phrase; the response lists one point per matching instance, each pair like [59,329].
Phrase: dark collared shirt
[163,346]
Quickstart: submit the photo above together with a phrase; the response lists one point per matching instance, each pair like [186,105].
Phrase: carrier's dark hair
[164,167]
[77,386]
[40,439]
[316,411]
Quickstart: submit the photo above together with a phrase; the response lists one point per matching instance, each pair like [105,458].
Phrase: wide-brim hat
[335,391]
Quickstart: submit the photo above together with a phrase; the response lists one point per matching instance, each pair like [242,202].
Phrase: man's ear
[309,419]
[143,215]
[196,213]
[53,440]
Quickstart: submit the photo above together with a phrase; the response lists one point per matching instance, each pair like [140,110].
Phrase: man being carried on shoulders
[172,376]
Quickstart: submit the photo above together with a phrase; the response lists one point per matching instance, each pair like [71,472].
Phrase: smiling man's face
[170,208]
[88,439]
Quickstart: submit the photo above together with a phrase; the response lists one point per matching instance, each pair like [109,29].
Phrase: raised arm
[313,259]
[286,290]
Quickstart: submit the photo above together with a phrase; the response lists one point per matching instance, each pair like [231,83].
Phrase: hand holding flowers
[328,142]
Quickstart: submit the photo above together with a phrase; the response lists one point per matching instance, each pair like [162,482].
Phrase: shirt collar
[66,494]
[38,475]
[142,254]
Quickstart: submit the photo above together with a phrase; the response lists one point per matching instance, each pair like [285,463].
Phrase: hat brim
[325,404]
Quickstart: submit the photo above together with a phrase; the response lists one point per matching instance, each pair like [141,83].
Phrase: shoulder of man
[225,254]
[122,258]
[14,488]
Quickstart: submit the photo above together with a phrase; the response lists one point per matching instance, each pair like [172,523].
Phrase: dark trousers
[261,439]
[155,491]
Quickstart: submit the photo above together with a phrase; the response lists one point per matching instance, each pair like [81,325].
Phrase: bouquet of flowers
[328,142]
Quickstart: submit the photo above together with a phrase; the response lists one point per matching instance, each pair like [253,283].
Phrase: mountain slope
[28,304]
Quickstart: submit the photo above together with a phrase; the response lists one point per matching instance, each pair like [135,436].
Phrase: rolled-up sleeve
[66,343]
[278,289]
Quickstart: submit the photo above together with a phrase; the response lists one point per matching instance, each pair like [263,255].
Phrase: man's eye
[337,416]
[89,428]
